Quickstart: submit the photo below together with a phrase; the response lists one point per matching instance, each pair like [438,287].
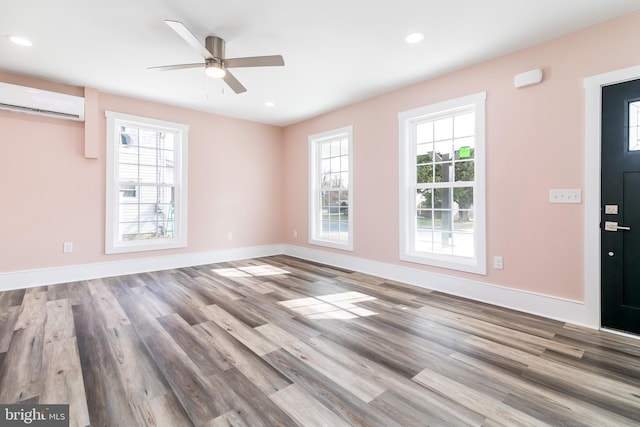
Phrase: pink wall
[52,194]
[251,179]
[534,140]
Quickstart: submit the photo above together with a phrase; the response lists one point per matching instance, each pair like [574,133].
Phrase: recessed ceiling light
[414,38]
[20,40]
[269,104]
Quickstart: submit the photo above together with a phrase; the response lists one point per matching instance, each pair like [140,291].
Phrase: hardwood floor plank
[107,305]
[20,376]
[581,412]
[304,409]
[183,302]
[199,346]
[59,324]
[75,292]
[168,412]
[251,405]
[32,311]
[261,374]
[140,377]
[530,343]
[243,333]
[201,396]
[11,298]
[329,393]
[105,395]
[361,386]
[8,318]
[142,310]
[479,402]
[615,396]
[63,382]
[426,404]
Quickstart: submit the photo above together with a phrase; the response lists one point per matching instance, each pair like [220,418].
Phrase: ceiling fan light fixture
[215,70]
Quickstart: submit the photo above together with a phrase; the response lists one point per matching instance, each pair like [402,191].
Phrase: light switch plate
[565,195]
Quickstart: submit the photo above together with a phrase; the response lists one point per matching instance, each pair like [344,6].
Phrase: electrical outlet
[295,234]
[229,236]
[497,263]
[67,247]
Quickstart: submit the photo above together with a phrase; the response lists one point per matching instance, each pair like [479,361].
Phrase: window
[634,125]
[146,184]
[330,193]
[442,195]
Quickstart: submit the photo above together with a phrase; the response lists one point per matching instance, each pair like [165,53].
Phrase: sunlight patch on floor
[333,306]
[250,271]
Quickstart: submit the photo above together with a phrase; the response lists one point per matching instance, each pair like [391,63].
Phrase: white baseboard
[529,302]
[551,307]
[49,276]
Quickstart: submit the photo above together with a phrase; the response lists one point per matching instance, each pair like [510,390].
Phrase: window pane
[335,148]
[442,198]
[128,173]
[424,198]
[442,220]
[463,244]
[147,156]
[464,125]
[424,158]
[443,129]
[464,148]
[634,122]
[463,220]
[424,132]
[463,197]
[344,179]
[443,151]
[335,164]
[424,174]
[464,171]
[148,138]
[325,166]
[443,172]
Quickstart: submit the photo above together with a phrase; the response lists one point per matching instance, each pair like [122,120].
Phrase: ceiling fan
[215,63]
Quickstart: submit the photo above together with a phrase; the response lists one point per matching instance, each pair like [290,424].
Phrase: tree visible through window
[443,198]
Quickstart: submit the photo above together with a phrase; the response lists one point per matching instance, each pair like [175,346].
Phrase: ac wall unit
[42,102]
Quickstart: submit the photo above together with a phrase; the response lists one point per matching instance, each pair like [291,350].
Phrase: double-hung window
[331,192]
[442,194]
[146,184]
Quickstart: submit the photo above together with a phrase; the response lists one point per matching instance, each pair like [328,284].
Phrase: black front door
[620,219]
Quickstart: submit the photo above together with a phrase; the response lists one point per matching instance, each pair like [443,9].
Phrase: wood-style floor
[278,341]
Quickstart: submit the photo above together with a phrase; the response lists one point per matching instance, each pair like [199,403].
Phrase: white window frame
[112,242]
[407,138]
[315,213]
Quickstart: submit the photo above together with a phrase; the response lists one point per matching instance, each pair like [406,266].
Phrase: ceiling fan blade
[233,83]
[187,36]
[255,61]
[176,67]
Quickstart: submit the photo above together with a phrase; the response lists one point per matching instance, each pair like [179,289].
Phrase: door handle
[613,226]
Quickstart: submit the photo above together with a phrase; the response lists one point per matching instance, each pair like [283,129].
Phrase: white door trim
[592,166]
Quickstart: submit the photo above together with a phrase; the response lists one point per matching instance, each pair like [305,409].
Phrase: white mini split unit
[42,102]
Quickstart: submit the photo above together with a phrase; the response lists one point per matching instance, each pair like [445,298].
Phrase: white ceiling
[336,52]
